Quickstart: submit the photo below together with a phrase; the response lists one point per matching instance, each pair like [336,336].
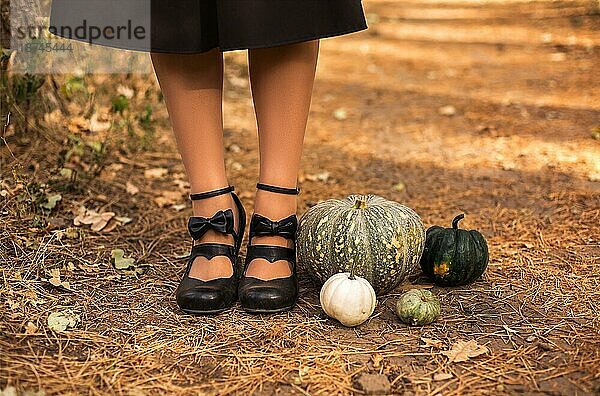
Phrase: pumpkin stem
[352,277]
[359,204]
[456,220]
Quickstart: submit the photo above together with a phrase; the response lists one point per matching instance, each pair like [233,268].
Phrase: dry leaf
[114,222]
[72,233]
[178,207]
[102,221]
[448,110]
[32,299]
[155,173]
[115,167]
[30,328]
[111,225]
[442,376]
[55,277]
[400,186]
[123,220]
[125,91]
[167,198]
[509,165]
[90,217]
[56,281]
[110,172]
[119,260]
[462,351]
[377,359]
[60,321]
[54,117]
[340,114]
[51,201]
[67,173]
[322,176]
[77,124]
[97,125]
[131,188]
[429,342]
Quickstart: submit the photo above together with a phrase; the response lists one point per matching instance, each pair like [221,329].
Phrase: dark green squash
[454,257]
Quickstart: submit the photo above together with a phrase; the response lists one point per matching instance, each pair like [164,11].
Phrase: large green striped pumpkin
[376,239]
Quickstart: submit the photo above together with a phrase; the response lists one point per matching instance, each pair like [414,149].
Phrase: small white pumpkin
[348,298]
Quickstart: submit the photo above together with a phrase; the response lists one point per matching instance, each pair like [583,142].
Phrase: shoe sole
[209,312]
[267,311]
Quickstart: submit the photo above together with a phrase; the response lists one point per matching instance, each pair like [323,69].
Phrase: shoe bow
[285,228]
[222,221]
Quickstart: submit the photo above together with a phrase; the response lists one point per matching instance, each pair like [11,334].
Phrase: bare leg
[282,81]
[192,86]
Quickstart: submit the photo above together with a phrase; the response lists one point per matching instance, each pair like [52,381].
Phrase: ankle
[274,206]
[210,206]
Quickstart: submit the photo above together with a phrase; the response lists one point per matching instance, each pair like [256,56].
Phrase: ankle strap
[210,194]
[277,189]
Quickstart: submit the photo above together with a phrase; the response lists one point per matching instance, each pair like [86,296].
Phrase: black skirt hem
[317,36]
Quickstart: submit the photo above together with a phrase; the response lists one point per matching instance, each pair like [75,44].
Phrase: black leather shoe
[195,296]
[275,295]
